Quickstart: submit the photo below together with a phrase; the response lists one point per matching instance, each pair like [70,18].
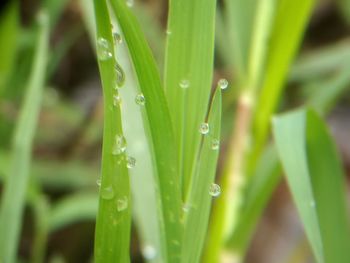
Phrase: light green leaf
[13,197]
[316,180]
[112,235]
[159,125]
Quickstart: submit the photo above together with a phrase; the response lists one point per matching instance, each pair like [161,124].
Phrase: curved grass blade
[197,207]
[188,76]
[13,197]
[113,221]
[160,127]
[316,180]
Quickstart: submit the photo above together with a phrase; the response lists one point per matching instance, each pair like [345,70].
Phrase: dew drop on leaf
[130,162]
[184,84]
[214,190]
[120,75]
[215,144]
[103,49]
[119,144]
[149,252]
[107,193]
[223,83]
[117,38]
[122,203]
[140,99]
[204,128]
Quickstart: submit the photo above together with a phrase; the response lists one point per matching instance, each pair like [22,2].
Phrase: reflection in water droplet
[204,128]
[119,144]
[149,252]
[130,162]
[103,49]
[214,190]
[140,99]
[215,144]
[120,75]
[107,193]
[185,83]
[223,83]
[122,203]
[117,38]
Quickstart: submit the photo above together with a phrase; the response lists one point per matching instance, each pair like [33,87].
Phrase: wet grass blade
[188,76]
[197,207]
[159,125]
[316,180]
[112,235]
[13,197]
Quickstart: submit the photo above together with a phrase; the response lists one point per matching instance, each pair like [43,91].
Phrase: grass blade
[160,127]
[113,221]
[189,63]
[316,180]
[199,201]
[13,197]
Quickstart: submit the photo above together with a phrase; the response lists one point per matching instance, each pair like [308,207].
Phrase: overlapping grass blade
[9,27]
[13,197]
[316,180]
[160,128]
[112,234]
[188,75]
[290,23]
[197,207]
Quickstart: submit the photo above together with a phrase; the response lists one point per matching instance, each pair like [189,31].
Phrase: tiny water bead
[140,99]
[184,84]
[98,182]
[103,49]
[186,207]
[149,252]
[119,144]
[130,162]
[130,3]
[122,203]
[223,83]
[215,144]
[117,100]
[117,38]
[168,32]
[107,193]
[215,190]
[204,128]
[120,75]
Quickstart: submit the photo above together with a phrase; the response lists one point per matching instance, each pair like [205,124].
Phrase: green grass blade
[189,62]
[112,235]
[290,22]
[9,27]
[197,207]
[72,209]
[159,124]
[13,197]
[316,180]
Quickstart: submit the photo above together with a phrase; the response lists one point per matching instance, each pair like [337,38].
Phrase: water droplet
[120,75]
[122,203]
[107,193]
[184,84]
[186,207]
[130,3]
[204,128]
[223,83]
[119,144]
[149,252]
[98,182]
[168,32]
[117,100]
[214,190]
[117,38]
[215,144]
[103,49]
[130,162]
[140,99]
